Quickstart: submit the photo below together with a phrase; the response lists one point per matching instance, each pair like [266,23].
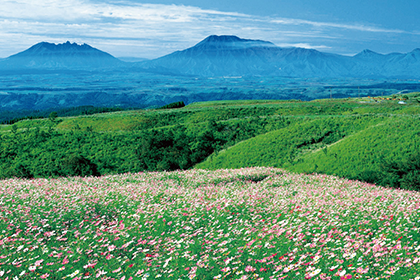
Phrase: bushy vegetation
[374,141]
[289,144]
[7,117]
[174,105]
[39,152]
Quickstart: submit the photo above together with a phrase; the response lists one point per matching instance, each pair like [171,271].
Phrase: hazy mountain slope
[299,62]
[403,65]
[233,56]
[220,56]
[65,56]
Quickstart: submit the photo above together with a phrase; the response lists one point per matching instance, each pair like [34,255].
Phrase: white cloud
[71,10]
[358,27]
[305,46]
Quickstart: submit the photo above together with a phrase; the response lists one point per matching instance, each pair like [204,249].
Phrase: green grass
[315,136]
[236,103]
[361,155]
[289,145]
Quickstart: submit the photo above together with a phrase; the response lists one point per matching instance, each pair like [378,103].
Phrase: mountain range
[218,56]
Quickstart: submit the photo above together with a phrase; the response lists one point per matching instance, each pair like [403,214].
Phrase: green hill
[290,144]
[357,138]
[351,147]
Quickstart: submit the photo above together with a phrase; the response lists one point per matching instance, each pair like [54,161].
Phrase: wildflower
[89,265]
[225,269]
[342,273]
[249,269]
[333,267]
[116,270]
[73,274]
[315,272]
[45,276]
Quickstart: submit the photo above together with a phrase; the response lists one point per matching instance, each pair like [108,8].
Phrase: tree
[53,116]
[77,165]
[403,174]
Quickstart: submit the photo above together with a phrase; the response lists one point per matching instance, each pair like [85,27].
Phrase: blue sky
[154,28]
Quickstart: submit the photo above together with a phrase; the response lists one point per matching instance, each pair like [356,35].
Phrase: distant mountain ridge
[233,56]
[218,56]
[67,56]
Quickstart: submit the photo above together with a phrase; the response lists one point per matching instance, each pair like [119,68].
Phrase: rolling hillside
[370,139]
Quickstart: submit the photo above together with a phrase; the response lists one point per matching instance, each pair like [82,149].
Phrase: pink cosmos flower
[249,269]
[117,270]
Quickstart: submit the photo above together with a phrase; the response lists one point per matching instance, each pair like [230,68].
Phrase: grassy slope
[291,144]
[300,146]
[362,153]
[356,148]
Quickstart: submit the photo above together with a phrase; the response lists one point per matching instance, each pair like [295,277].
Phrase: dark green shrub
[174,105]
[77,165]
[20,170]
[403,174]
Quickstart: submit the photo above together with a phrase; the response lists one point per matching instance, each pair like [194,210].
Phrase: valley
[59,90]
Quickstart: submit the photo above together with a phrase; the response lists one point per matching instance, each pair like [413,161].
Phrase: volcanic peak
[233,42]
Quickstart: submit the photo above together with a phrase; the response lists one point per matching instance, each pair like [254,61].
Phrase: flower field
[254,223]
